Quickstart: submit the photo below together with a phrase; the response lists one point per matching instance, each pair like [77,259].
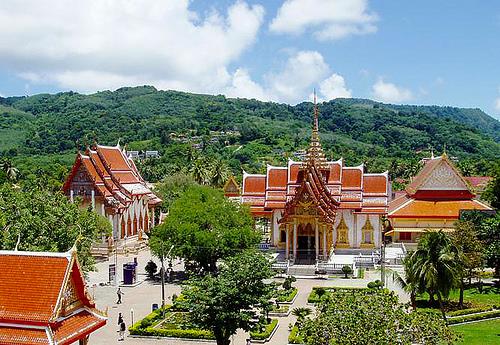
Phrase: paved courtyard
[139,299]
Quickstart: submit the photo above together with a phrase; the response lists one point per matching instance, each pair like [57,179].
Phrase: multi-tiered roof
[114,175]
[331,185]
[43,299]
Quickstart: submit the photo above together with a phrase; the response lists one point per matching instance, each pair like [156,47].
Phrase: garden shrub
[269,328]
[286,295]
[474,317]
[295,337]
[468,311]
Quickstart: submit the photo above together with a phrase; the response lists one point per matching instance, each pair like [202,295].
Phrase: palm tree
[410,282]
[301,313]
[10,171]
[220,173]
[435,265]
[199,170]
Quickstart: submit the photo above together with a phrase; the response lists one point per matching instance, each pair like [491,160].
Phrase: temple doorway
[306,250]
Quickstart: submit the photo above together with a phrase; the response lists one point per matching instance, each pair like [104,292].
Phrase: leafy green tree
[38,220]
[492,192]
[11,172]
[220,173]
[489,233]
[172,187]
[435,264]
[372,317]
[470,253]
[200,170]
[203,226]
[224,302]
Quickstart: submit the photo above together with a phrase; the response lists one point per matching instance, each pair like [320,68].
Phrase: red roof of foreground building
[115,176]
[43,299]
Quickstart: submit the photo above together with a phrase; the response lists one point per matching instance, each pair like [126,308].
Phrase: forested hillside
[243,133]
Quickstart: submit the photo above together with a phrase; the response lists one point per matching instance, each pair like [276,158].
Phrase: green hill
[145,118]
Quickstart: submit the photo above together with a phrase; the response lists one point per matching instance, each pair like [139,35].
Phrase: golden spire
[315,154]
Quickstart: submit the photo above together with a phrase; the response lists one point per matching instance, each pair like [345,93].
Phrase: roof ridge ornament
[315,155]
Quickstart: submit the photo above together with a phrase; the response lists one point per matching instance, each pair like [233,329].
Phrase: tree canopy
[372,316]
[203,226]
[224,302]
[38,220]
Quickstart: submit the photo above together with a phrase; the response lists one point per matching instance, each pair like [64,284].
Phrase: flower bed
[286,296]
[314,298]
[175,324]
[266,333]
[283,310]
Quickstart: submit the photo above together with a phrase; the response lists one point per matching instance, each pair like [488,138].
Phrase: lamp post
[386,227]
[163,277]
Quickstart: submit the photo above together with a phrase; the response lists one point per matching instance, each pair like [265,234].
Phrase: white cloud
[302,71]
[497,104]
[243,86]
[389,92]
[334,87]
[328,19]
[91,45]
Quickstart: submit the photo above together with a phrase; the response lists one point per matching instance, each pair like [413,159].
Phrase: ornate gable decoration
[444,177]
[231,187]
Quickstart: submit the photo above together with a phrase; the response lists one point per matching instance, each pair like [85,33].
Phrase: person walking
[119,293]
[121,331]
[120,318]
[249,342]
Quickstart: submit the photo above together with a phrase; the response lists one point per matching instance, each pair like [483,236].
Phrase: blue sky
[416,52]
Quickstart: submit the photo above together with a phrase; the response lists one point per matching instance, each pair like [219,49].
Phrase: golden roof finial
[315,155]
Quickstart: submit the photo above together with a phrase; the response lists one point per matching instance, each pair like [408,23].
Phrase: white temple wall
[275,229]
[360,222]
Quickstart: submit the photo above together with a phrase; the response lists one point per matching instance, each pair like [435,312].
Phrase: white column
[316,239]
[92,193]
[287,241]
[294,240]
[153,217]
[71,194]
[325,251]
[355,237]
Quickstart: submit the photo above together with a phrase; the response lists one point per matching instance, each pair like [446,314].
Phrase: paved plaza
[140,298]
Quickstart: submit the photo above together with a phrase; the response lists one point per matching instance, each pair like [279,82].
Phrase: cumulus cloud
[91,45]
[389,92]
[327,19]
[334,87]
[301,72]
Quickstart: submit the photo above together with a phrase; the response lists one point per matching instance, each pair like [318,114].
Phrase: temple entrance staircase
[302,270]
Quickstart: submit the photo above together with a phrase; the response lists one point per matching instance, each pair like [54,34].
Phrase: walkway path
[140,299]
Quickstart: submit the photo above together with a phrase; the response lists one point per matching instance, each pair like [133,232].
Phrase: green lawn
[480,333]
[489,296]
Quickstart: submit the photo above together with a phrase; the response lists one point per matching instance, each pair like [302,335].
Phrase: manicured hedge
[294,337]
[474,317]
[468,311]
[175,333]
[288,295]
[313,297]
[267,331]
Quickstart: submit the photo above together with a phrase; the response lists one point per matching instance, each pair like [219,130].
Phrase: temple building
[108,181]
[433,200]
[43,300]
[315,206]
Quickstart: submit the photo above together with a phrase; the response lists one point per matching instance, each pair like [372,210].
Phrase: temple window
[367,231]
[342,230]
[283,236]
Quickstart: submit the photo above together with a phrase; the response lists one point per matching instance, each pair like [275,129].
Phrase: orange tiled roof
[478,182]
[23,336]
[254,184]
[33,289]
[78,325]
[115,175]
[412,208]
[335,172]
[277,178]
[375,184]
[30,286]
[352,178]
